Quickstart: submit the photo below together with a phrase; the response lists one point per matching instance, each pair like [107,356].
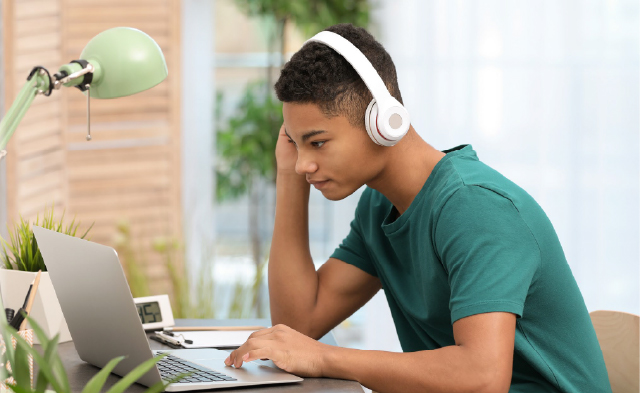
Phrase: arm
[308,301]
[480,362]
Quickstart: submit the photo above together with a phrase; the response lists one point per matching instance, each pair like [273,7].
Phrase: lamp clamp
[41,71]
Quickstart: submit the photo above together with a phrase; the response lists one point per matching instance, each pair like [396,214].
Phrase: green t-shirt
[474,242]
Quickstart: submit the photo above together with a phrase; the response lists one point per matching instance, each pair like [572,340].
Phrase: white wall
[197,144]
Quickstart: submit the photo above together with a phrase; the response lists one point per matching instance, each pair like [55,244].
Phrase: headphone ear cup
[370,121]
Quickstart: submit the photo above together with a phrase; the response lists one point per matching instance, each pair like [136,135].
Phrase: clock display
[149,312]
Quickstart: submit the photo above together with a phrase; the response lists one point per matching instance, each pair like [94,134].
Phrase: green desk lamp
[117,62]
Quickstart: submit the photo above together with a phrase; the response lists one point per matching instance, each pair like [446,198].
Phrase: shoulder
[469,201]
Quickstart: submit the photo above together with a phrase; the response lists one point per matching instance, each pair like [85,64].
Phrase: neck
[407,168]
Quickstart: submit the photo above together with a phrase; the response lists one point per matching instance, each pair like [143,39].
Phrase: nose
[304,164]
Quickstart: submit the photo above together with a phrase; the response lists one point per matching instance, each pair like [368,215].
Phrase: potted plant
[20,260]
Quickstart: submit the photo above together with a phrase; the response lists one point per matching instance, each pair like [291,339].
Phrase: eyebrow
[308,135]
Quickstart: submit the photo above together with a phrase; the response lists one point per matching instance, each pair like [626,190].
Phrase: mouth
[318,184]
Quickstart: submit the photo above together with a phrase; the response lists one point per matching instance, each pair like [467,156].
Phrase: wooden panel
[90,187]
[131,104]
[35,171]
[36,26]
[131,13]
[38,129]
[42,108]
[28,10]
[81,156]
[104,228]
[151,27]
[37,203]
[40,146]
[24,62]
[145,198]
[114,135]
[40,184]
[118,170]
[39,42]
[131,169]
[45,162]
[118,117]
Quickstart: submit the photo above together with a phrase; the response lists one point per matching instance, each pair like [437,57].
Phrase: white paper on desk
[214,339]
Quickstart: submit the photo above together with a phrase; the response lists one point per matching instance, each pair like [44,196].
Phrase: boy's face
[331,150]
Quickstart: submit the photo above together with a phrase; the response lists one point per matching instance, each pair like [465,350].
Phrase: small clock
[154,311]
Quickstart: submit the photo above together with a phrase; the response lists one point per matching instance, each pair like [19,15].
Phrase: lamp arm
[37,84]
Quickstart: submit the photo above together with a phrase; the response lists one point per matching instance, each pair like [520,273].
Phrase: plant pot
[46,310]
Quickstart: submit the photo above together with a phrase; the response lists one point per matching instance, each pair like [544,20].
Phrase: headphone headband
[358,61]
[386,120]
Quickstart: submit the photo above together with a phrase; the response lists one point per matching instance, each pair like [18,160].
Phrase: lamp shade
[126,61]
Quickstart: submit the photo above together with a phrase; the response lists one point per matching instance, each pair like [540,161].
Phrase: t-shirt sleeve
[488,251]
[353,249]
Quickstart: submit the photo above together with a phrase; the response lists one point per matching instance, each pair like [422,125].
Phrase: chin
[338,194]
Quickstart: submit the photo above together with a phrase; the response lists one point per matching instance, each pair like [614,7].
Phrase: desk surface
[80,372]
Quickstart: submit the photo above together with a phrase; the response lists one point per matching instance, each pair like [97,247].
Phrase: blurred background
[180,178]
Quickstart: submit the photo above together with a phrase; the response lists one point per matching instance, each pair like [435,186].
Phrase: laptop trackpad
[253,371]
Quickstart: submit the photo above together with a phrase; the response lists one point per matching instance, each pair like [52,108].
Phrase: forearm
[448,369]
[293,281]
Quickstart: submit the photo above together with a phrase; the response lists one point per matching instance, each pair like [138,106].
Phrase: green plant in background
[24,253]
[189,300]
[51,372]
[246,141]
[245,146]
[245,297]
[310,16]
[131,261]
[191,297]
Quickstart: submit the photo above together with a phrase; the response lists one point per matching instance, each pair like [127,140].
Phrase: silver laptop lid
[96,302]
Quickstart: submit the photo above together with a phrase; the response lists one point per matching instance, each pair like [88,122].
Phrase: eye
[318,144]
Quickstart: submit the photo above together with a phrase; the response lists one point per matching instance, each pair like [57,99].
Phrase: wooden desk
[80,372]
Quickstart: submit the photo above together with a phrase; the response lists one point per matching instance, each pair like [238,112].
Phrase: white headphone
[386,120]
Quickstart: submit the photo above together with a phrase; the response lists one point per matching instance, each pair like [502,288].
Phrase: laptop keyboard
[171,366]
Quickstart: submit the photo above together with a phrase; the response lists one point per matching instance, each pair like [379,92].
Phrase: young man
[479,289]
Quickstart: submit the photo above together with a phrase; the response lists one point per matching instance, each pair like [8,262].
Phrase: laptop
[103,321]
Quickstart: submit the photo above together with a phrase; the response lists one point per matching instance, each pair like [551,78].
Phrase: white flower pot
[46,311]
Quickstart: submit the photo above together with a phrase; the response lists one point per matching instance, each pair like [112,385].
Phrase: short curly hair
[317,74]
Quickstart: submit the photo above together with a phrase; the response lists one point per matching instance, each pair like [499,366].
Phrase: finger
[262,353]
[250,345]
[229,360]
[236,355]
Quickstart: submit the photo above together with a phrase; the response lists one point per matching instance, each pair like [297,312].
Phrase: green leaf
[20,368]
[97,382]
[41,382]
[7,331]
[50,355]
[60,372]
[44,366]
[42,336]
[19,389]
[158,387]
[21,251]
[135,374]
